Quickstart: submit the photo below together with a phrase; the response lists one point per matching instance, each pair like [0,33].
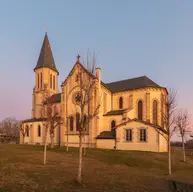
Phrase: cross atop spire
[46,58]
[78,58]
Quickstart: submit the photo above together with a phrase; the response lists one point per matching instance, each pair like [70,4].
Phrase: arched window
[51,81]
[77,121]
[27,131]
[38,81]
[39,131]
[155,112]
[41,83]
[54,82]
[113,124]
[120,102]
[71,123]
[85,122]
[140,110]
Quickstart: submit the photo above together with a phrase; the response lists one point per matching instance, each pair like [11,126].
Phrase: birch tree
[168,119]
[86,84]
[183,127]
[51,118]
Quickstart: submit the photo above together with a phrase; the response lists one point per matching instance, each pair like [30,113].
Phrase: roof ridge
[128,79]
[131,84]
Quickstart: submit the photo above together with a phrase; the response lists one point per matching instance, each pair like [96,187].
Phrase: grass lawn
[22,169]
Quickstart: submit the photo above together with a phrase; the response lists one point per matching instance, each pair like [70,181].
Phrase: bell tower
[45,73]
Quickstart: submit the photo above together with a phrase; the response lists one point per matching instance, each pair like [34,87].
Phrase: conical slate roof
[46,58]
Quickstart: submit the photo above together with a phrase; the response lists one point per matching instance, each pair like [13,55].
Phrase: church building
[133,107]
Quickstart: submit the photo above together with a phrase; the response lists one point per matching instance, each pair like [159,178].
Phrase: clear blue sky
[130,38]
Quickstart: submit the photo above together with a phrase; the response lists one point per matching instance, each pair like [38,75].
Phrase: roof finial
[78,58]
[46,29]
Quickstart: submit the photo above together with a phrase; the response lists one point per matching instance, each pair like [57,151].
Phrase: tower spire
[46,58]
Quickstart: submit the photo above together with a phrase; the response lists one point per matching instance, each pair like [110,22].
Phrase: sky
[129,38]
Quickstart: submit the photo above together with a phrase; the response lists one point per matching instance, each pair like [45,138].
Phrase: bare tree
[86,83]
[51,118]
[23,131]
[168,121]
[183,127]
[9,127]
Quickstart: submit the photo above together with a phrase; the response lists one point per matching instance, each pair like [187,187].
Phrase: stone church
[132,106]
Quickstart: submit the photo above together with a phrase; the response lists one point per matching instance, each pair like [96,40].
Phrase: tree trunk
[183,146]
[115,135]
[52,141]
[169,158]
[80,161]
[45,147]
[67,135]
[84,148]
[23,140]
[84,153]
[67,143]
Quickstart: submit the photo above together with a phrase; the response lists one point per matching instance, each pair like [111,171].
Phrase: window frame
[50,81]
[39,131]
[77,121]
[27,130]
[71,123]
[130,135]
[41,81]
[38,81]
[54,82]
[155,112]
[142,136]
[113,121]
[140,110]
[120,102]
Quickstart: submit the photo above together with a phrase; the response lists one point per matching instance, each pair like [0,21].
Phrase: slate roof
[130,84]
[55,98]
[106,135]
[46,58]
[33,120]
[36,119]
[115,112]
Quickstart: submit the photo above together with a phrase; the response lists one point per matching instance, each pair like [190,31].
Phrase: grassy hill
[22,169]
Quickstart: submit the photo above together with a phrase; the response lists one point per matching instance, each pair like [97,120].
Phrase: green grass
[22,169]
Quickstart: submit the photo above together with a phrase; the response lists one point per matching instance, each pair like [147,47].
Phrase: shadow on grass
[128,158]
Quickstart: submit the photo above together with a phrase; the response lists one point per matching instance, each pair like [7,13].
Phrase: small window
[38,81]
[50,81]
[143,135]
[39,131]
[71,123]
[41,82]
[140,110]
[121,103]
[113,125]
[54,82]
[128,134]
[27,131]
[155,111]
[77,122]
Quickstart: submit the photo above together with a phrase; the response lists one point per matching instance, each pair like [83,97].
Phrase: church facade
[132,107]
